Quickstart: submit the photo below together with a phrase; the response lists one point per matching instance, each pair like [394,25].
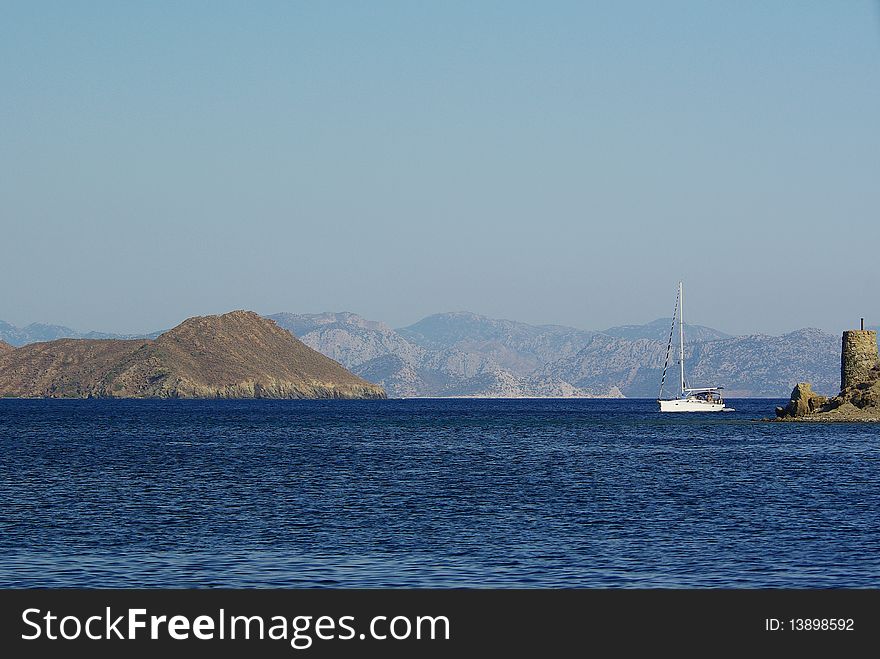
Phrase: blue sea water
[432,493]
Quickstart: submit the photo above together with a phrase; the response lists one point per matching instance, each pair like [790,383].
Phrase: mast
[681,335]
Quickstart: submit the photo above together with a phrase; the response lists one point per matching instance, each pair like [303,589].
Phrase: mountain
[658,330]
[761,365]
[756,366]
[235,355]
[517,347]
[36,332]
[5,347]
[465,354]
[445,355]
[607,361]
[347,337]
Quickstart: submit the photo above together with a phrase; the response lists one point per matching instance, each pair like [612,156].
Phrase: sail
[669,346]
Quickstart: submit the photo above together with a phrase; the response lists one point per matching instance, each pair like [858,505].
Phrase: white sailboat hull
[690,405]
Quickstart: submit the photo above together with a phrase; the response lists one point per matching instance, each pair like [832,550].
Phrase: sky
[552,162]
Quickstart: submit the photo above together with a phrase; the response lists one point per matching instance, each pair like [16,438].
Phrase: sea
[433,493]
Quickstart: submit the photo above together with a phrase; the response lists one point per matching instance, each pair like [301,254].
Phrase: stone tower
[857,356]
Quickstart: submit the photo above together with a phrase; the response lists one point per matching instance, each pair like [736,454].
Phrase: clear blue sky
[556,162]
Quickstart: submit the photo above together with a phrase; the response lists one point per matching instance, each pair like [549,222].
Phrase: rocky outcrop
[859,397]
[803,401]
[859,402]
[236,355]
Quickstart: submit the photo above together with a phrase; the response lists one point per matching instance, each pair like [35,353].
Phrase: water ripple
[431,493]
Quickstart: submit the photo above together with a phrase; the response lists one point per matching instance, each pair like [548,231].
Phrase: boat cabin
[708,394]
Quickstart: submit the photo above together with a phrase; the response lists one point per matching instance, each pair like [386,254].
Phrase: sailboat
[705,399]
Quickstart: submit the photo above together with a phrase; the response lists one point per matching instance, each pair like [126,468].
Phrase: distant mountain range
[748,366]
[36,332]
[465,354]
[455,354]
[659,331]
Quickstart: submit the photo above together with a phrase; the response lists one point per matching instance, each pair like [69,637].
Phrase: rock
[864,396]
[803,401]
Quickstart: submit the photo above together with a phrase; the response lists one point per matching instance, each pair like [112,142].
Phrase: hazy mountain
[35,332]
[346,337]
[756,365]
[761,365]
[464,354]
[517,347]
[236,355]
[368,348]
[658,330]
[444,355]
[607,361]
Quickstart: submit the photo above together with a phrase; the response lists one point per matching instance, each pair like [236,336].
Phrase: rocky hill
[236,355]
[5,347]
